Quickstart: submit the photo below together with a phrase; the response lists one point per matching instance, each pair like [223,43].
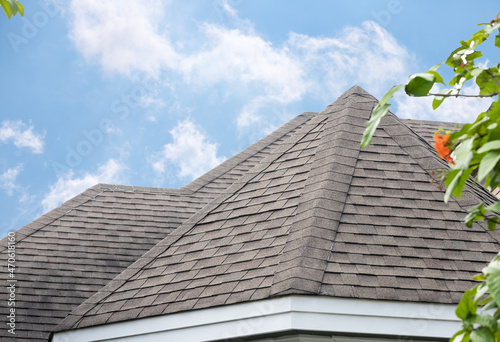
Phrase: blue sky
[155,93]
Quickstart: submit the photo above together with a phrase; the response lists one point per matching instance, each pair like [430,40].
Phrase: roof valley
[312,235]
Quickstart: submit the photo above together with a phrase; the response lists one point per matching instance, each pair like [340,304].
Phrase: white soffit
[307,313]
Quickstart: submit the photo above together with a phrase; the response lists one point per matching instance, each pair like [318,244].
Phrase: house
[301,237]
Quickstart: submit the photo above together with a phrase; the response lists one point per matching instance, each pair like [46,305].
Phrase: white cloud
[21,135]
[191,152]
[316,66]
[452,109]
[8,179]
[126,36]
[248,63]
[122,35]
[244,59]
[248,115]
[325,67]
[68,186]
[367,55]
[230,10]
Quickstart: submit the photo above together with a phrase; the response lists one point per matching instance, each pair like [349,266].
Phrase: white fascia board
[311,313]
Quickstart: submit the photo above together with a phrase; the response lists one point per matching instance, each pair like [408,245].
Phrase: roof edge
[54,214]
[76,201]
[287,313]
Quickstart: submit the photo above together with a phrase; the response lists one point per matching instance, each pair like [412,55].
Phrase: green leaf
[372,124]
[6,8]
[487,321]
[497,40]
[487,164]
[458,188]
[451,182]
[439,99]
[453,59]
[492,222]
[481,289]
[480,121]
[493,266]
[490,145]
[420,84]
[390,93]
[494,207]
[379,112]
[487,82]
[461,336]
[493,283]
[470,57]
[480,277]
[492,126]
[476,71]
[455,180]
[21,8]
[490,305]
[466,305]
[463,154]
[482,334]
[16,7]
[475,213]
[436,66]
[11,7]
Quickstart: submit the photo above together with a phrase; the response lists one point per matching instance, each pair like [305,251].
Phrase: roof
[71,252]
[303,211]
[427,129]
[316,216]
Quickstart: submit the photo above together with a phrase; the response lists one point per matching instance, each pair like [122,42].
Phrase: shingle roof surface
[70,253]
[397,240]
[427,129]
[317,216]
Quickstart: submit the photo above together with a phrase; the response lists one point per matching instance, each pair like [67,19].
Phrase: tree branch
[462,95]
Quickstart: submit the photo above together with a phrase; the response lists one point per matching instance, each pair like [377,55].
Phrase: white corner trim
[309,313]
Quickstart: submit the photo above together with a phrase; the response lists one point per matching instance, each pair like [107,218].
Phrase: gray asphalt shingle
[320,216]
[304,211]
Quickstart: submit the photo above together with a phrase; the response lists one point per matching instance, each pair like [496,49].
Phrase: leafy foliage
[481,326]
[472,150]
[12,7]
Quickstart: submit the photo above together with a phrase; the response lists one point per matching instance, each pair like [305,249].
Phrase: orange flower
[441,148]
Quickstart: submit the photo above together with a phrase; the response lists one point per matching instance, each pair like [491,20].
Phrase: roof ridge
[428,121]
[313,231]
[137,189]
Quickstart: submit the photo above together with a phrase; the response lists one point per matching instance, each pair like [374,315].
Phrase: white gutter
[307,313]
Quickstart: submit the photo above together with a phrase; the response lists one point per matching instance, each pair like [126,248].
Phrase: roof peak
[355,94]
[356,90]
